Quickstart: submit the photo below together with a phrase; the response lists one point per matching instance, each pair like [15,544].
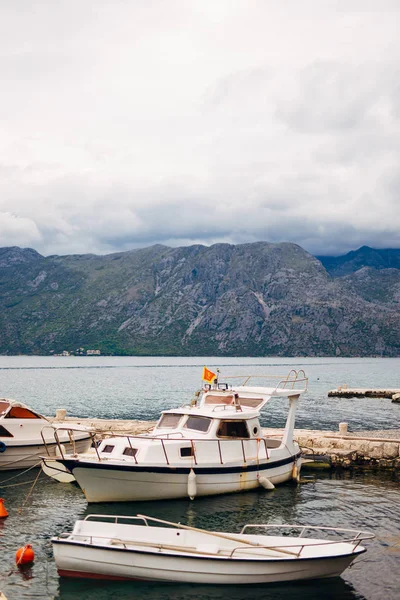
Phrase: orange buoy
[3,512]
[24,555]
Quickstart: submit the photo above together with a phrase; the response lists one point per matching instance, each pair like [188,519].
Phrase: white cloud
[125,124]
[14,228]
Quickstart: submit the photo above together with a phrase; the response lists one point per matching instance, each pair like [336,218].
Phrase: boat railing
[222,407]
[60,444]
[358,536]
[242,442]
[169,436]
[284,548]
[116,518]
[290,381]
[254,548]
[194,454]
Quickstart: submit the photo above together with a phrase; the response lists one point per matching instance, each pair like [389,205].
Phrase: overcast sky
[125,123]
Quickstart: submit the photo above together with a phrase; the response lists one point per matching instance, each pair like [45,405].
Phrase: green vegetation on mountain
[251,299]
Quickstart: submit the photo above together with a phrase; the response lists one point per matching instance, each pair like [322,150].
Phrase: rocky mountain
[250,299]
[388,258]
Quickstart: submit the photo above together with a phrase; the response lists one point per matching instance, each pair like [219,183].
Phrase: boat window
[169,421]
[4,432]
[4,406]
[108,448]
[187,451]
[250,402]
[218,399]
[130,451]
[198,423]
[20,412]
[233,429]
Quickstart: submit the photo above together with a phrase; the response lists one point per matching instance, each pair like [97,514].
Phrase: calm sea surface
[142,387]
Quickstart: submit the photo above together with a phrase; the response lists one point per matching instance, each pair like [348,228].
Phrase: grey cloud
[127,124]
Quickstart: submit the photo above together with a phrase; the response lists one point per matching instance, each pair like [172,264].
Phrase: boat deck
[378,449]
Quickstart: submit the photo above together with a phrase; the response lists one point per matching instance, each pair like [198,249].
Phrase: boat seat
[209,548]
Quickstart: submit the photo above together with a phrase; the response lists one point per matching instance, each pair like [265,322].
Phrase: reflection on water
[328,589]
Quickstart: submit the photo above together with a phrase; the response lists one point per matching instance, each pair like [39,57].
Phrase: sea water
[140,388]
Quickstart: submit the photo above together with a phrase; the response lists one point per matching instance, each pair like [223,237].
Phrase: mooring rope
[30,492]
[17,485]
[18,460]
[19,474]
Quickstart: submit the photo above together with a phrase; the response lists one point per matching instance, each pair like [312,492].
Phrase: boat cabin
[16,411]
[221,423]
[201,424]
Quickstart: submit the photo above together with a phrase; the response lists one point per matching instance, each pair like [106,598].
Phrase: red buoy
[24,555]
[3,512]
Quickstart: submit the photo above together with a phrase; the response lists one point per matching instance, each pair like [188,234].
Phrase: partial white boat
[214,445]
[25,436]
[111,547]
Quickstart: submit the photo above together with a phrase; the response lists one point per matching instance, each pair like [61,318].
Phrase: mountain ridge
[364,256]
[249,299]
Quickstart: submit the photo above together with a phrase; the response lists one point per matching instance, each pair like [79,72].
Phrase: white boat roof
[232,402]
[216,412]
[268,391]
[13,402]
[7,403]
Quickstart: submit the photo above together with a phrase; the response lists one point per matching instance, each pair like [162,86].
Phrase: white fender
[192,485]
[266,483]
[60,450]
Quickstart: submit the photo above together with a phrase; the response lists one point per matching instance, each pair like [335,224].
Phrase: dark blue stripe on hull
[74,464]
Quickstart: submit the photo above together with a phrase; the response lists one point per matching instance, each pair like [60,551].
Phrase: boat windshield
[169,421]
[198,423]
[218,399]
[20,412]
[233,429]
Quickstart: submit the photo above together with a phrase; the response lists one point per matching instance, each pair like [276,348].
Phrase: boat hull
[82,561]
[24,456]
[102,482]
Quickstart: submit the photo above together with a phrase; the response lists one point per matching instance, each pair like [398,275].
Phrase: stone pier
[345,392]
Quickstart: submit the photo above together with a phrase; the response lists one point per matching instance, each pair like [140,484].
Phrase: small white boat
[116,547]
[214,445]
[25,436]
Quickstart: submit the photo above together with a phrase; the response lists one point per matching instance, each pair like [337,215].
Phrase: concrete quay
[366,449]
[329,449]
[346,392]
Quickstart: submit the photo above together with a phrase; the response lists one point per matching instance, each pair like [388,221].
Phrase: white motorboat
[25,436]
[215,445]
[111,547]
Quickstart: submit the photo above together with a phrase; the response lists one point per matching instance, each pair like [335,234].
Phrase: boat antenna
[216,379]
[194,400]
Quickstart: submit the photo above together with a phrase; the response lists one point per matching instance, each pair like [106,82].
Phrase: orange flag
[208,375]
